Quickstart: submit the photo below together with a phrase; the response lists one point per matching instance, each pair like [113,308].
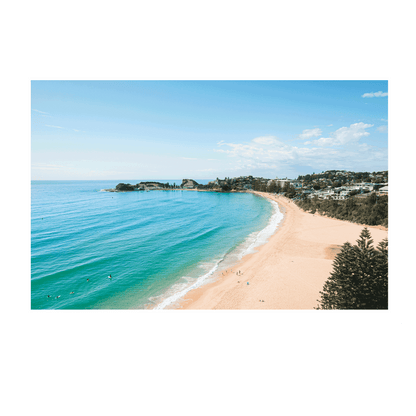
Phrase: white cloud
[375,94]
[279,156]
[330,125]
[308,133]
[254,156]
[382,129]
[189,158]
[364,147]
[38,111]
[46,166]
[383,119]
[56,127]
[345,135]
[75,130]
[266,140]
[207,170]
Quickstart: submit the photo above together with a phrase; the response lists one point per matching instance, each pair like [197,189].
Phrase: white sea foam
[256,239]
[259,238]
[179,290]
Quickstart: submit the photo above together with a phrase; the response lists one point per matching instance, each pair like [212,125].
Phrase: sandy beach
[288,271]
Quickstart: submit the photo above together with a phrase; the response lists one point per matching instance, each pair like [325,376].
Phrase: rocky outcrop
[153,185]
[189,184]
[124,187]
[142,186]
[240,184]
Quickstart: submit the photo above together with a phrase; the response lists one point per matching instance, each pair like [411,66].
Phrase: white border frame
[24,316]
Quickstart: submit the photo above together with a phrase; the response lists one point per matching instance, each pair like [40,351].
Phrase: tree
[272,187]
[359,279]
[256,185]
[290,192]
[286,187]
[372,199]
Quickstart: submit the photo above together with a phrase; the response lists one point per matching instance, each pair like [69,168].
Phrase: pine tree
[359,279]
[380,288]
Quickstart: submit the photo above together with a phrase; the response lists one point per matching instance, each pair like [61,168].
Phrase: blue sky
[206,129]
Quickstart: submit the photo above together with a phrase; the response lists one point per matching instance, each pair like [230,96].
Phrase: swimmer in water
[72,293]
[88,280]
[58,296]
[110,277]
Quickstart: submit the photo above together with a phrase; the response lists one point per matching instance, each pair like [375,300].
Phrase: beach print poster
[184,195]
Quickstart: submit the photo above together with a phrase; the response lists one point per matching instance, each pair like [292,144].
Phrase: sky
[121,130]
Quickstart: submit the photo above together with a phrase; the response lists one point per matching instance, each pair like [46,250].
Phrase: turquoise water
[153,244]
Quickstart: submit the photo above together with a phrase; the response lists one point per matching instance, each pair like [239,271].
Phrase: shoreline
[288,271]
[174,295]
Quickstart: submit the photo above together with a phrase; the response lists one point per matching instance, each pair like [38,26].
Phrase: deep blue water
[150,242]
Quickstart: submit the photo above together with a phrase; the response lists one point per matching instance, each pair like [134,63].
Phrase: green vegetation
[359,278]
[274,187]
[369,210]
[338,178]
[259,185]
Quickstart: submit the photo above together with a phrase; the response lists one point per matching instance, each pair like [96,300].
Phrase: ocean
[156,245]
